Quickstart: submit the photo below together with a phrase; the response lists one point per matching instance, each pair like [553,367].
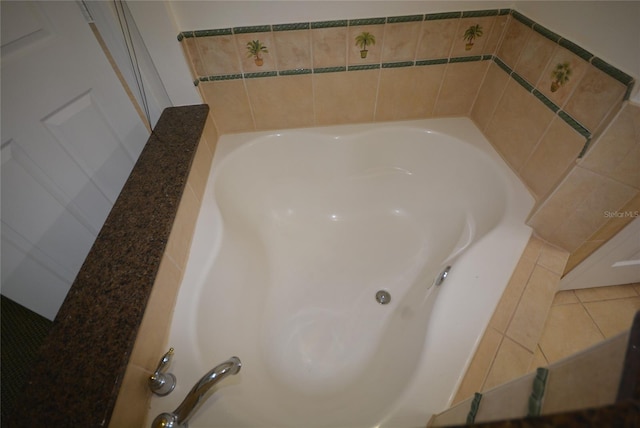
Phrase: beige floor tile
[529,318]
[613,316]
[606,293]
[511,295]
[565,297]
[539,360]
[512,361]
[479,367]
[568,329]
[636,287]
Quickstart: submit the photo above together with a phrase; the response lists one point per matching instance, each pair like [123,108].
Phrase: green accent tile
[291,27]
[537,393]
[582,53]
[584,148]
[406,18]
[503,12]
[260,74]
[367,21]
[432,61]
[225,77]
[502,65]
[612,71]
[546,101]
[180,37]
[196,82]
[547,33]
[295,72]
[480,13]
[398,64]
[252,29]
[574,124]
[487,57]
[363,67]
[329,70]
[445,15]
[627,93]
[523,19]
[210,33]
[330,24]
[528,86]
[185,35]
[466,58]
[473,408]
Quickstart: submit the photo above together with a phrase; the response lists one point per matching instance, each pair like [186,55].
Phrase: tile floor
[579,319]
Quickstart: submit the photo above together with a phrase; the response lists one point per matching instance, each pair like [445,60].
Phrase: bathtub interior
[303,229]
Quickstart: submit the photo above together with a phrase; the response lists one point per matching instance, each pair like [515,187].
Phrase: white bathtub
[298,231]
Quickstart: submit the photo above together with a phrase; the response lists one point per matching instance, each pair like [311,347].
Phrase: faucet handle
[162,383]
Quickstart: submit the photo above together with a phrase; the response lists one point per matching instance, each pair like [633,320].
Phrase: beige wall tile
[134,390]
[512,361]
[436,38]
[617,152]
[533,249]
[210,134]
[345,97]
[460,47]
[497,30]
[584,251]
[408,92]
[219,55]
[568,329]
[329,47]
[594,97]
[460,87]
[489,95]
[181,234]
[506,403]
[616,224]
[400,41]
[281,102]
[512,294]
[613,316]
[190,47]
[606,293]
[538,360]
[515,38]
[479,366]
[595,374]
[293,49]
[530,315]
[535,57]
[553,156]
[200,168]
[578,68]
[229,105]
[374,54]
[248,62]
[517,124]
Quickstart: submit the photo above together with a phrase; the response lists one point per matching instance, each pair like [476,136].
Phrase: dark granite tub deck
[80,367]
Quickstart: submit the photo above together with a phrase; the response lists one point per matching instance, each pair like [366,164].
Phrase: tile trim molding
[599,63]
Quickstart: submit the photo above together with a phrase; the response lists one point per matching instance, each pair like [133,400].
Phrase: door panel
[70,137]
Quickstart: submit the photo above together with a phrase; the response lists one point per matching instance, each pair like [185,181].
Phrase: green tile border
[363,67]
[574,48]
[330,24]
[547,33]
[432,61]
[574,124]
[252,29]
[465,58]
[260,74]
[546,101]
[329,70]
[292,27]
[523,82]
[295,72]
[443,15]
[210,33]
[523,19]
[406,18]
[617,74]
[398,64]
[367,21]
[480,13]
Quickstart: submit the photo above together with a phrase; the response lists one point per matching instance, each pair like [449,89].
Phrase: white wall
[608,29]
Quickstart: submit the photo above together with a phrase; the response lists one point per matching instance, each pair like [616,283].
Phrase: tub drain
[383,297]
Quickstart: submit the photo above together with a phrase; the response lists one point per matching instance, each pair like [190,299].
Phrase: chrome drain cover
[383,297]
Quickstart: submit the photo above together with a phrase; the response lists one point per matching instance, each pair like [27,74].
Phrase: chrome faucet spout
[182,414]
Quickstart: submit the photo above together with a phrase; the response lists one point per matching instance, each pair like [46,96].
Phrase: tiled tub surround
[512,82]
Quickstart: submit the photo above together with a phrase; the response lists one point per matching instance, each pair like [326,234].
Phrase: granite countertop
[80,367]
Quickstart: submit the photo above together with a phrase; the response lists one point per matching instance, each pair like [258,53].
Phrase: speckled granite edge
[81,364]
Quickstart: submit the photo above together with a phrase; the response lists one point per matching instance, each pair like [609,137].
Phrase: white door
[70,137]
[616,262]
